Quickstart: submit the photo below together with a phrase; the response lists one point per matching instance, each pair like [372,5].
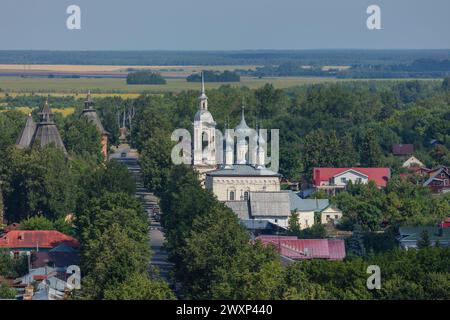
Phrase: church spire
[203,97]
[203,84]
[46,112]
[88,103]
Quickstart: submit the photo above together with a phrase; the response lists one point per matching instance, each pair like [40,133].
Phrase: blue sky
[223,24]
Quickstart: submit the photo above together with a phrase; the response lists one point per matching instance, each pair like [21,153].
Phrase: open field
[109,86]
[106,71]
[64,112]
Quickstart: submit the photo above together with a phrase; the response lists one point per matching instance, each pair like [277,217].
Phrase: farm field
[111,86]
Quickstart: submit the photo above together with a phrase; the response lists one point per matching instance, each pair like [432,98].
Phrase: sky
[223,24]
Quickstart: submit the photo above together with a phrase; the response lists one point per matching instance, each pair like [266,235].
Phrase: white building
[240,169]
[307,209]
[204,137]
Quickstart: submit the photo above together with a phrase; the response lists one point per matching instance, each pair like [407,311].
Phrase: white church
[240,169]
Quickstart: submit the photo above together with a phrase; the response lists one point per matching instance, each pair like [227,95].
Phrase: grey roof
[46,134]
[240,208]
[90,113]
[415,233]
[26,136]
[299,204]
[93,117]
[269,204]
[46,130]
[243,170]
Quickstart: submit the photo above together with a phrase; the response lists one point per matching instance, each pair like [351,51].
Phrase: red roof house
[334,178]
[306,249]
[446,223]
[32,239]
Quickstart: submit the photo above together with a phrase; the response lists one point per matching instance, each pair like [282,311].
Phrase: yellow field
[27,110]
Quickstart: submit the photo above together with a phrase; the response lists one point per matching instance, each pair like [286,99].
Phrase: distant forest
[343,57]
[211,76]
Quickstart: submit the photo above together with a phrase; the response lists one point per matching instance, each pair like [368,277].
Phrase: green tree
[38,182]
[38,222]
[139,286]
[81,137]
[370,151]
[446,84]
[424,241]
[6,292]
[156,162]
[115,258]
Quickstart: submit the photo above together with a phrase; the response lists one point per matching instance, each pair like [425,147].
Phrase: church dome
[204,116]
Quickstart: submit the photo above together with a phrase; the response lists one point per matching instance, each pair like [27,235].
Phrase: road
[159,258]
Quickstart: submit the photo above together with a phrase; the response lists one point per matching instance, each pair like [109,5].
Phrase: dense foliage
[145,77]
[212,76]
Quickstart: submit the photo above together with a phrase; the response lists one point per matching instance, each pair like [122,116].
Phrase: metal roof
[415,233]
[270,204]
[299,204]
[240,208]
[243,170]
[301,249]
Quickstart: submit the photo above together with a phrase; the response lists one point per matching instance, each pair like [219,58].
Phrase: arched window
[205,140]
[246,195]
[232,196]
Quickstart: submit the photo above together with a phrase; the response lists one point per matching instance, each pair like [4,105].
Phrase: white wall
[349,176]
[221,186]
[332,213]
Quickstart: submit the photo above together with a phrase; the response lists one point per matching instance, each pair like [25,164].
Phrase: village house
[332,180]
[307,209]
[23,241]
[409,236]
[267,208]
[265,211]
[403,151]
[413,162]
[438,180]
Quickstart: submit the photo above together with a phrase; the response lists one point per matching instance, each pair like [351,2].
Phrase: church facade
[240,169]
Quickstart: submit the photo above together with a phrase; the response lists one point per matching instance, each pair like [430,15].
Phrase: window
[358,180]
[232,196]
[446,182]
[246,195]
[344,180]
[336,217]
